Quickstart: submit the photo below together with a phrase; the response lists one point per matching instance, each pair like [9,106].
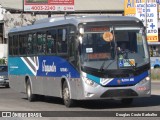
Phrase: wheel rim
[66,95]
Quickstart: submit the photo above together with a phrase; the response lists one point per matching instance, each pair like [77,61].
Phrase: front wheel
[127,101]
[7,86]
[30,96]
[66,95]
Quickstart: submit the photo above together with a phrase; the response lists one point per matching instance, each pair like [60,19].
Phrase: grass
[155,74]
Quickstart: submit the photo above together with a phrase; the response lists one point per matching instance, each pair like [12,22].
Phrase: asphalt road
[11,100]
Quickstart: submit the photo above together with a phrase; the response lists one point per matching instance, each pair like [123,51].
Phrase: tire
[66,96]
[7,86]
[30,96]
[127,101]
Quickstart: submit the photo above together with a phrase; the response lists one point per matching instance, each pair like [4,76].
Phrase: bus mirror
[81,31]
[108,36]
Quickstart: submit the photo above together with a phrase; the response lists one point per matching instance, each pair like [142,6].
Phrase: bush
[155,74]
[2,61]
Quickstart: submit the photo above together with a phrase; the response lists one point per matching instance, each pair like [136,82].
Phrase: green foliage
[2,61]
[155,74]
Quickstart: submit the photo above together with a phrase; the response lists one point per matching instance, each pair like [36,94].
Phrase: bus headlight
[89,82]
[1,77]
[148,78]
[145,80]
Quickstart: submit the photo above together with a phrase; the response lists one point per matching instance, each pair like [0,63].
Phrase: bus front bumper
[100,92]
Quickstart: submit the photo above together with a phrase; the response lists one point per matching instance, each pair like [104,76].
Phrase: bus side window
[22,44]
[51,42]
[10,45]
[15,45]
[62,41]
[34,44]
[29,49]
[41,43]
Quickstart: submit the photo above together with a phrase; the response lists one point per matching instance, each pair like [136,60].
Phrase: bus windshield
[127,49]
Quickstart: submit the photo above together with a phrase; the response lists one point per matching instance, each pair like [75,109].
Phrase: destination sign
[97,29]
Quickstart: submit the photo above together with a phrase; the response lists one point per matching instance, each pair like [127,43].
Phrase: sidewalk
[155,81]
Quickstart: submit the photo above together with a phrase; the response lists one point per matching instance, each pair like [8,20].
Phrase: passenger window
[15,45]
[62,41]
[41,43]
[34,44]
[29,50]
[10,45]
[51,42]
[22,44]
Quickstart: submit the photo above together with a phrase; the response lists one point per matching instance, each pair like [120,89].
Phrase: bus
[81,58]
[154,49]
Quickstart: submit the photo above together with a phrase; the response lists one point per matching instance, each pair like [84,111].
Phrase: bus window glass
[29,51]
[95,47]
[22,44]
[15,45]
[51,41]
[10,45]
[130,45]
[62,41]
[34,44]
[41,43]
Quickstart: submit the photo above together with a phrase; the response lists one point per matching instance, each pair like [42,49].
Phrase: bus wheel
[66,95]
[127,101]
[30,96]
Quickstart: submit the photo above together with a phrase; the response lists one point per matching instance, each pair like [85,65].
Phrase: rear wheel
[30,96]
[127,101]
[7,86]
[66,95]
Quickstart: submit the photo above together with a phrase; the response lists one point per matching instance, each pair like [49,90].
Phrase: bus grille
[119,93]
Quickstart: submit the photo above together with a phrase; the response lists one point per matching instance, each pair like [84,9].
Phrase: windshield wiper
[102,66]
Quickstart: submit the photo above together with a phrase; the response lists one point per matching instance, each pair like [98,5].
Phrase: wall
[3,50]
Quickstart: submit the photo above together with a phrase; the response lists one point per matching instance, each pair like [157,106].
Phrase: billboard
[151,16]
[48,5]
[129,7]
[137,8]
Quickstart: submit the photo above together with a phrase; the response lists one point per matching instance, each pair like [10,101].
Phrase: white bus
[81,58]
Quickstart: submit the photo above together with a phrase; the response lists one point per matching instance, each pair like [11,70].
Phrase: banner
[151,16]
[48,5]
[129,7]
[41,114]
[137,8]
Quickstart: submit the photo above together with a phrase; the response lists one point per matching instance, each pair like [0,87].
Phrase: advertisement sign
[48,5]
[137,8]
[151,16]
[129,7]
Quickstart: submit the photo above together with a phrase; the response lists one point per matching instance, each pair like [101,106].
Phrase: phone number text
[44,8]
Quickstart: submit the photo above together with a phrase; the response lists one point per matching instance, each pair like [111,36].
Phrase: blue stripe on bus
[128,81]
[123,81]
[52,66]
[17,67]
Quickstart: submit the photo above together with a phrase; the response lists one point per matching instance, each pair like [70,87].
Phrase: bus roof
[75,20]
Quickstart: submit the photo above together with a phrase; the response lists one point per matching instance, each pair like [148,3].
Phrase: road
[11,100]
